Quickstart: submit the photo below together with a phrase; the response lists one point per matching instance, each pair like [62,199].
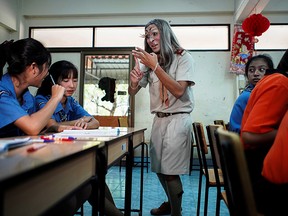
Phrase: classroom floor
[153,194]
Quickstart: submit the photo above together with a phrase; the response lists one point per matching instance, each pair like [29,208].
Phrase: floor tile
[153,194]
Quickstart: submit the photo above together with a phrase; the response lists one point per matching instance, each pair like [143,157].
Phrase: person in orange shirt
[275,166]
[264,112]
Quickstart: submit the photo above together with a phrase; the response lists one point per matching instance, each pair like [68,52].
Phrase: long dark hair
[22,53]
[169,42]
[59,70]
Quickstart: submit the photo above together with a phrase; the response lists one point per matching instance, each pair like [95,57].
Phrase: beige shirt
[182,69]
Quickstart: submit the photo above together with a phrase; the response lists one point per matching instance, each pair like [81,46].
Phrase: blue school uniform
[238,109]
[11,109]
[72,111]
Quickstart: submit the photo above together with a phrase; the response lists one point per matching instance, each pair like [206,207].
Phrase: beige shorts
[170,144]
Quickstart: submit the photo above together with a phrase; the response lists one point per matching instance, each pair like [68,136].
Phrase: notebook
[6,144]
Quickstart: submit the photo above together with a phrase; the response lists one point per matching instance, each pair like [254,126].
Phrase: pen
[64,138]
[52,79]
[35,147]
[41,140]
[53,138]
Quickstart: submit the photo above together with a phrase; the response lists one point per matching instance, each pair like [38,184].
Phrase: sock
[162,180]
[175,191]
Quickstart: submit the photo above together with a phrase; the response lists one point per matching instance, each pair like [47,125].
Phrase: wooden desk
[31,183]
[115,149]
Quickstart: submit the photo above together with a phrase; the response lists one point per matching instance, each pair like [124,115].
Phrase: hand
[66,127]
[57,91]
[136,75]
[149,60]
[81,123]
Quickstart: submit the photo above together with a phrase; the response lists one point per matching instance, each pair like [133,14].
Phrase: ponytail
[4,47]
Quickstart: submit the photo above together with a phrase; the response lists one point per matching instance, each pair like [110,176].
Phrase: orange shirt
[275,166]
[266,106]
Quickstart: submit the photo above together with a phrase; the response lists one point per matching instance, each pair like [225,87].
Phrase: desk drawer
[116,149]
[39,192]
[138,138]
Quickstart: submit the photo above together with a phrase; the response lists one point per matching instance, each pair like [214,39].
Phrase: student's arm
[87,122]
[53,126]
[258,140]
[33,124]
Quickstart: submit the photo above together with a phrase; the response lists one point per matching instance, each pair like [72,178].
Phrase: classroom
[216,85]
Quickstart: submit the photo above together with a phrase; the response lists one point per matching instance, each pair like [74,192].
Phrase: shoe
[164,209]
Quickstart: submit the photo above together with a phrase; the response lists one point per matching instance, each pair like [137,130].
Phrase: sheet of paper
[89,133]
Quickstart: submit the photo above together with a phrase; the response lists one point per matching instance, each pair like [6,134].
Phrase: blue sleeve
[10,109]
[78,110]
[238,111]
[41,101]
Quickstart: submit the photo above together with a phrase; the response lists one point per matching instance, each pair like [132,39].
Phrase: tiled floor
[153,194]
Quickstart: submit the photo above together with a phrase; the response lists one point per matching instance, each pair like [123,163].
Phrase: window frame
[125,26]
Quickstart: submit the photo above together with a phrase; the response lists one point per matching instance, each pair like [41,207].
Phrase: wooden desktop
[31,183]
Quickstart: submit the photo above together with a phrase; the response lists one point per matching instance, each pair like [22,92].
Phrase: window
[205,37]
[63,37]
[275,38]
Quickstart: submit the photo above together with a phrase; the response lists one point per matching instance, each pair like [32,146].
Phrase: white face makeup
[152,36]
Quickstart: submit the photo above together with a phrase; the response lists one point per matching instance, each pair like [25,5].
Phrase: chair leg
[199,193]
[206,199]
[218,202]
[191,160]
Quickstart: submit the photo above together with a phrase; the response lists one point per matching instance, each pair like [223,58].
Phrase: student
[28,62]
[168,69]
[264,112]
[254,71]
[69,111]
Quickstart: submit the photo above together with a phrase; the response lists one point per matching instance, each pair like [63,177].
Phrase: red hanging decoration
[242,50]
[255,25]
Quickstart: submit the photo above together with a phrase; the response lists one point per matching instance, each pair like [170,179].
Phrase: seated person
[28,62]
[264,112]
[69,111]
[254,71]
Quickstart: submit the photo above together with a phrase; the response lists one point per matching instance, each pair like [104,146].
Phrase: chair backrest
[123,121]
[201,143]
[220,122]
[213,144]
[236,177]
